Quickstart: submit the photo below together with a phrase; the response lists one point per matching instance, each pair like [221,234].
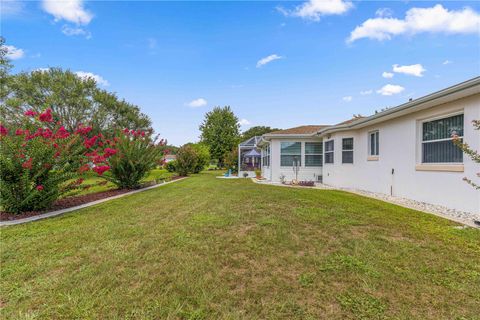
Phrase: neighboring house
[285,151]
[405,151]
[169,158]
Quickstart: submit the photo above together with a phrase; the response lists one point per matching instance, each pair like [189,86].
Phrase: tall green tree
[220,132]
[5,67]
[73,100]
[257,131]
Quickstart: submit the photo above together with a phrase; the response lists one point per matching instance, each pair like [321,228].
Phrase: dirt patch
[69,202]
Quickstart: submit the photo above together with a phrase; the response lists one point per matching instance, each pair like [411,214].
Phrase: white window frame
[443,116]
[325,152]
[376,151]
[312,154]
[266,155]
[301,153]
[349,150]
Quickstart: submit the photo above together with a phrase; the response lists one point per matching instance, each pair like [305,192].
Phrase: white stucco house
[405,151]
[293,154]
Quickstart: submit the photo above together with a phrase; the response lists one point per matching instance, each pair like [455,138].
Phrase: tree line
[220,131]
[72,99]
[77,101]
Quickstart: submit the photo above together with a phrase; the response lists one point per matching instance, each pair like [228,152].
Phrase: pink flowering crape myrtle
[41,160]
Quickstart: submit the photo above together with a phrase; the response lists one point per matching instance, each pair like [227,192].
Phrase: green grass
[206,248]
[155,174]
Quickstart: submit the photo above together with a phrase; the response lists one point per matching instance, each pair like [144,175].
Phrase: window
[437,144]
[313,154]
[266,156]
[329,151]
[290,154]
[374,143]
[347,150]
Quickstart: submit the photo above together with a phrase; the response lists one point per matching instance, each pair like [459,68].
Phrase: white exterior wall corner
[274,171]
[400,150]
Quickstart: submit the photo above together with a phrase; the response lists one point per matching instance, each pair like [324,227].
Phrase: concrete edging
[86,205]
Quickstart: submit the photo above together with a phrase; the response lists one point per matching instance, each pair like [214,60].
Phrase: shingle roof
[310,129]
[350,120]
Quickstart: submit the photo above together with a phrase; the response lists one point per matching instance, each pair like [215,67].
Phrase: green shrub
[231,160]
[137,154]
[186,160]
[171,166]
[203,156]
[40,161]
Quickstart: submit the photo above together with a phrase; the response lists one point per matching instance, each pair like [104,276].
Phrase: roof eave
[290,135]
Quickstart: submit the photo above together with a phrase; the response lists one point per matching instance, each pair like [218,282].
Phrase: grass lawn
[155,174]
[206,248]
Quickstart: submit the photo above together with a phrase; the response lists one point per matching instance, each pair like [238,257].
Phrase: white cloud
[68,10]
[390,89]
[366,92]
[384,12]
[347,98]
[268,59]
[436,19]
[11,7]
[314,9]
[75,31]
[416,70]
[387,75]
[200,102]
[14,53]
[244,122]
[96,77]
[446,62]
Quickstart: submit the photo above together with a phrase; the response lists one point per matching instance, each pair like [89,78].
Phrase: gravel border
[86,205]
[463,217]
[466,218]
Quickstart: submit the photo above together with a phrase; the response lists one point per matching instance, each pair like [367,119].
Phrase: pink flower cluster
[46,116]
[97,151]
[134,133]
[3,130]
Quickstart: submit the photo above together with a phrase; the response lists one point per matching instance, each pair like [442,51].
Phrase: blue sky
[323,61]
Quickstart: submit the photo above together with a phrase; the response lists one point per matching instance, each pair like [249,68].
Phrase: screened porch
[249,157]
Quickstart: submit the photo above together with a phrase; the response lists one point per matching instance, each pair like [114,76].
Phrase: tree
[168,148]
[474,155]
[231,160]
[186,160]
[257,131]
[220,132]
[203,156]
[135,156]
[38,164]
[5,67]
[73,100]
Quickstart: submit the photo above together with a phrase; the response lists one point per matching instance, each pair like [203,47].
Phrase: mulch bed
[69,202]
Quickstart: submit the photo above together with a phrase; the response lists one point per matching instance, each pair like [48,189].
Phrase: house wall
[274,171]
[400,151]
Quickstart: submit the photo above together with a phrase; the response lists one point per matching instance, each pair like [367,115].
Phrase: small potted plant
[258,174]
